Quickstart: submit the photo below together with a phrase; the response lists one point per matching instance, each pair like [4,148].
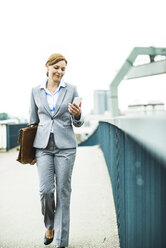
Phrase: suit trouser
[54,170]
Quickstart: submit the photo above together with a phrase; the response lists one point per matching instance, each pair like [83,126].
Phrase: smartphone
[77,100]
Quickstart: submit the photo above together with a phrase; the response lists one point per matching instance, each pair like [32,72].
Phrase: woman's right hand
[33,162]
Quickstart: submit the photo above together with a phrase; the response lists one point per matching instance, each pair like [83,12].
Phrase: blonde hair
[55,58]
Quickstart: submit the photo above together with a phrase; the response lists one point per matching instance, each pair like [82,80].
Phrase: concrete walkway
[93,221]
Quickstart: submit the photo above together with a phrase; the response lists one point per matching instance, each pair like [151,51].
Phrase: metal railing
[9,134]
[138,178]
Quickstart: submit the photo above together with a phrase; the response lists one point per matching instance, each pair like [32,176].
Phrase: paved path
[93,222]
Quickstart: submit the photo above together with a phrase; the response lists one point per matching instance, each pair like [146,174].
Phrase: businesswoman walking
[52,108]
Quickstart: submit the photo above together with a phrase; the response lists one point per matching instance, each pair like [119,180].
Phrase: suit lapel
[44,100]
[61,96]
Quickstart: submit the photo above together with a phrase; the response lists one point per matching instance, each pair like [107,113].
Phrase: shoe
[48,241]
[59,247]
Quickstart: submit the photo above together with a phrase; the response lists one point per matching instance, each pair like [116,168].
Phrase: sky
[95,36]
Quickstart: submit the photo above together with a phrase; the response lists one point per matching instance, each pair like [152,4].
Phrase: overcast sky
[95,36]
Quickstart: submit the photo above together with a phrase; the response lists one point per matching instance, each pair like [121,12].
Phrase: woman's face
[56,71]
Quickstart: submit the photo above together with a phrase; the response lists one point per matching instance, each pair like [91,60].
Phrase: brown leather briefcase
[25,140]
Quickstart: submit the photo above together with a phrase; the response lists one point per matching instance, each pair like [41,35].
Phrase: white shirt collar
[61,84]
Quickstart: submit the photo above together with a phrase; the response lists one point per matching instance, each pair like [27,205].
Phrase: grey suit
[61,119]
[55,155]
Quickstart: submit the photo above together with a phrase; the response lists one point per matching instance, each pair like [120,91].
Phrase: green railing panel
[12,134]
[138,181]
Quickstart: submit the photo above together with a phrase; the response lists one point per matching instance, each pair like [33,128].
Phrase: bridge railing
[137,168]
[9,135]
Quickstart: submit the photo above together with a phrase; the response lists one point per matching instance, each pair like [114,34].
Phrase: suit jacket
[62,120]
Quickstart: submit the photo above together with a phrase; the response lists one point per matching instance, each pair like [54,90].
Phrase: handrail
[147,129]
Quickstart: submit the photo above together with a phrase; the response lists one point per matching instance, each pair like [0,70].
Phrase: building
[101,101]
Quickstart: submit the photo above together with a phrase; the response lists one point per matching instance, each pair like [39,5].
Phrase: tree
[4,116]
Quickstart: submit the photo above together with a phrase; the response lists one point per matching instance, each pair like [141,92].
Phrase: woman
[52,109]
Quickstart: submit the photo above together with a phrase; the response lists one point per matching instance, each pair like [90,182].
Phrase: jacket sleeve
[80,122]
[34,119]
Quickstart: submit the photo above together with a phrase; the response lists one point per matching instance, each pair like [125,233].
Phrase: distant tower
[101,101]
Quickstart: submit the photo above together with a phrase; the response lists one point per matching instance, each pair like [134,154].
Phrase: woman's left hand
[75,110]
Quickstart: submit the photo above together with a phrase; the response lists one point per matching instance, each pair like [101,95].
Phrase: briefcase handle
[31,125]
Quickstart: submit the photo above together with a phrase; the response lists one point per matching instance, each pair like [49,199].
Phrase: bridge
[119,180]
